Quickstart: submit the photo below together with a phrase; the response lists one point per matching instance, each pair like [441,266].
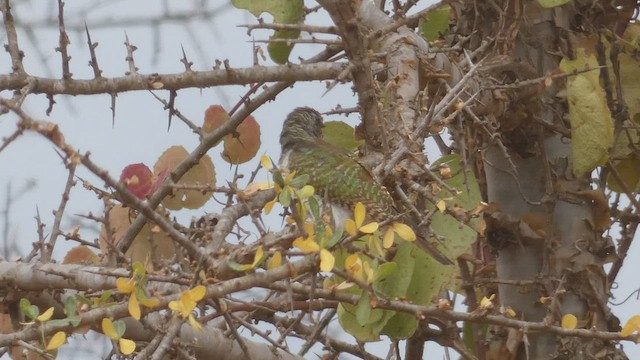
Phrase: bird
[337,177]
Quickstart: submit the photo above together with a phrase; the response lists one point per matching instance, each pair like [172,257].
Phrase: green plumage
[336,176]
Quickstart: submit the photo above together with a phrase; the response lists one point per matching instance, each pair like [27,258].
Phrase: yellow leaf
[441,205]
[269,206]
[327,260]
[134,307]
[370,228]
[404,231]
[375,245]
[257,257]
[198,292]
[57,340]
[353,264]
[368,271]
[344,285]
[275,261]
[150,302]
[350,227]
[125,285]
[176,306]
[195,323]
[307,245]
[359,214]
[46,315]
[309,228]
[631,326]
[266,162]
[589,115]
[510,312]
[127,347]
[569,321]
[486,302]
[108,329]
[306,191]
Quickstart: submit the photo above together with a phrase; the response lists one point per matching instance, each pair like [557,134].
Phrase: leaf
[569,321]
[283,12]
[590,117]
[127,347]
[306,192]
[359,214]
[327,260]
[214,117]
[195,323]
[308,245]
[299,181]
[631,326]
[350,227]
[437,23]
[238,267]
[138,179]
[31,311]
[108,329]
[125,286]
[340,135]
[548,4]
[57,340]
[46,315]
[134,306]
[370,228]
[404,231]
[202,174]
[384,271]
[198,293]
[363,309]
[629,171]
[275,261]
[388,238]
[266,162]
[244,143]
[81,255]
[285,196]
[333,240]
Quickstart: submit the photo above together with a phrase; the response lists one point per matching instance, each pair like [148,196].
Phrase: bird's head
[301,123]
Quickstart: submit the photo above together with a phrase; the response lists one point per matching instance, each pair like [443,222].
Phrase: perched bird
[335,175]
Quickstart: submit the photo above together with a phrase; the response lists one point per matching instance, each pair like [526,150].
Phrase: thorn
[113,109]
[172,100]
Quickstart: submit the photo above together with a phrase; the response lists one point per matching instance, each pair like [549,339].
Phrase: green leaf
[120,327]
[283,12]
[106,297]
[437,23]
[334,239]
[458,237]
[363,309]
[314,206]
[340,135]
[401,326]
[384,271]
[285,197]
[30,311]
[548,4]
[277,178]
[299,181]
[629,171]
[238,267]
[138,269]
[591,122]
[70,306]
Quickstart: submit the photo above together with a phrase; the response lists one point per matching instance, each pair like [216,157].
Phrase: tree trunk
[549,256]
